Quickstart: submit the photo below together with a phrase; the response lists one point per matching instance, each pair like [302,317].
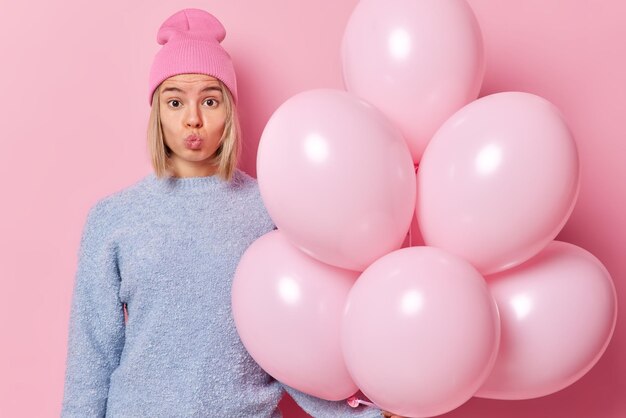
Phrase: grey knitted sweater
[167,250]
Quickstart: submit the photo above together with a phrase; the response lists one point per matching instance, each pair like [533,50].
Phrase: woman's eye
[211,102]
[174,103]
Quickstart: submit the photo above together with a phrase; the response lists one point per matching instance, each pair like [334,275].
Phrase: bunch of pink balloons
[491,306]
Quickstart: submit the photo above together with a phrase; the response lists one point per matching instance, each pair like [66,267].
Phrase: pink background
[73,118]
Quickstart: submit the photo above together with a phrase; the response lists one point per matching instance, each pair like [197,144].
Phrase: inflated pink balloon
[418,61]
[420,332]
[287,309]
[498,181]
[336,178]
[558,313]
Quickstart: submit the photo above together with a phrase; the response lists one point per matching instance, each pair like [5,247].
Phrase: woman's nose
[193,118]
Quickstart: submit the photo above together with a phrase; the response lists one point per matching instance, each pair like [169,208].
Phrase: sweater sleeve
[96,326]
[321,408]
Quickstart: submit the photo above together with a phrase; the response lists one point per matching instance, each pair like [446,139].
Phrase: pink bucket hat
[191,44]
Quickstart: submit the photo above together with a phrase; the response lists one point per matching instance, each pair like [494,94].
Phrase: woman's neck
[183,169]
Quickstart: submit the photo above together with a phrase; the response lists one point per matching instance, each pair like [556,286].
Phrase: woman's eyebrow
[172,89]
[176,89]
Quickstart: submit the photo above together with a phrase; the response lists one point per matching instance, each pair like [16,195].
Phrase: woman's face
[192,115]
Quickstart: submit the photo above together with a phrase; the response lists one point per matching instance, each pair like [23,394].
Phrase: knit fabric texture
[168,250]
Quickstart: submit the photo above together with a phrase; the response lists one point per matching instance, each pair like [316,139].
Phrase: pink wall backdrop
[74,111]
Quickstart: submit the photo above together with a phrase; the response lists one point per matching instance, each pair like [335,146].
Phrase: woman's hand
[390,415]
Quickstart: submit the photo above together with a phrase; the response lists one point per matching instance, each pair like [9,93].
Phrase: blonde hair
[227,154]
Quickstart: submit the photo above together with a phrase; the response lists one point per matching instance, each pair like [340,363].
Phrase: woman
[166,249]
